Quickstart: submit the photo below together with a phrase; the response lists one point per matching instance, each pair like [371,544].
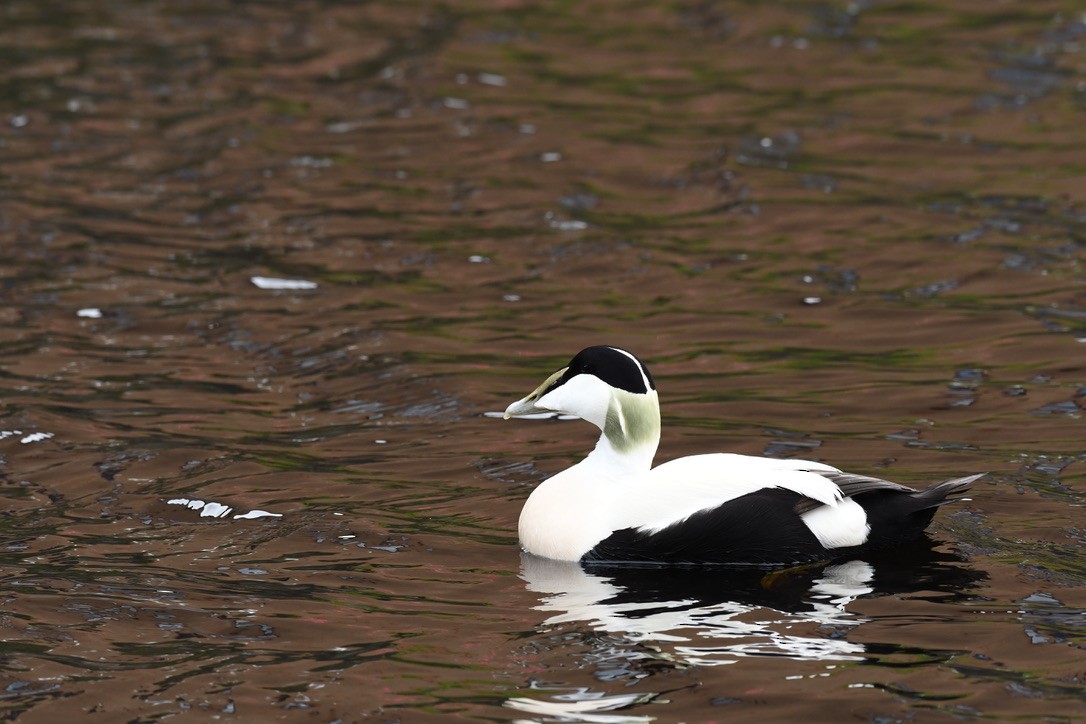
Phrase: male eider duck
[720,508]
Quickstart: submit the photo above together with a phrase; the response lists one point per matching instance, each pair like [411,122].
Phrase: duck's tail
[897,516]
[947,491]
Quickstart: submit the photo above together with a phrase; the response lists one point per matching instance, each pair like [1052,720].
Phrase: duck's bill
[527,405]
[523,408]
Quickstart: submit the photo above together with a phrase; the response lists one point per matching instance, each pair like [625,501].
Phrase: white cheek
[585,396]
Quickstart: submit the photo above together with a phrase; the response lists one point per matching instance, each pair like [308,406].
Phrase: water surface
[283,259]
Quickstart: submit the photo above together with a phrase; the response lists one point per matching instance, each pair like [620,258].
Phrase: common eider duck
[718,508]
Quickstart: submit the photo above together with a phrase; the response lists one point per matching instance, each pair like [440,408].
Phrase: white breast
[568,514]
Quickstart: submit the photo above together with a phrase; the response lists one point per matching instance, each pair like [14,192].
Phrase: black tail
[896,516]
[945,492]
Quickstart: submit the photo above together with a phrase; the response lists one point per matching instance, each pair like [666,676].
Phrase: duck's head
[607,386]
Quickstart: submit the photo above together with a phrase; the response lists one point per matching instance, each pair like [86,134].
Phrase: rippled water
[265,269]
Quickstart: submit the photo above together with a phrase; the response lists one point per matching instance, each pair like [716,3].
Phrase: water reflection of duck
[740,611]
[702,509]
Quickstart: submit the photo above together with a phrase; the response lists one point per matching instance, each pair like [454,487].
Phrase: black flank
[761,528]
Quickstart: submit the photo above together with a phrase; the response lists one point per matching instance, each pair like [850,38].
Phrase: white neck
[622,464]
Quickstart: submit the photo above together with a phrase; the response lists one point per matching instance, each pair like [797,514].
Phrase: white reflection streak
[584,710]
[576,595]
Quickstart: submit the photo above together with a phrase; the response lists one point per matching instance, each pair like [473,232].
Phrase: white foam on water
[257,514]
[210,509]
[274,283]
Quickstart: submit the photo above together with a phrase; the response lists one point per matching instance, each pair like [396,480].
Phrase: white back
[675,490]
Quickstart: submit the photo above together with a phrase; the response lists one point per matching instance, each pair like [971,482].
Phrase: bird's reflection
[713,616]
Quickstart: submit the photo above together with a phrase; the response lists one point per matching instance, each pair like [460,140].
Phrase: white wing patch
[840,526]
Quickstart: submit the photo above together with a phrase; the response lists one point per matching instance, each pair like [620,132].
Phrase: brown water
[849,232]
